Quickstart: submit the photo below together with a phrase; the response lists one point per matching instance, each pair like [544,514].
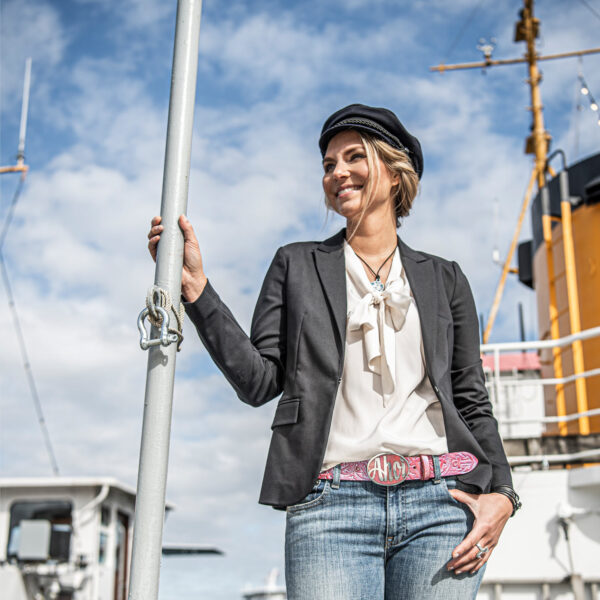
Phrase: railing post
[573,299]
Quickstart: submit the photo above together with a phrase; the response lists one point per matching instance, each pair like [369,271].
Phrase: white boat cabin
[65,538]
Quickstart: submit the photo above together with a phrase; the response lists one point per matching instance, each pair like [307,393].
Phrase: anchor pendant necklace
[377,284]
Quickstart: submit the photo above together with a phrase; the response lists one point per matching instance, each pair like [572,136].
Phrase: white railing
[496,384]
[548,459]
[570,417]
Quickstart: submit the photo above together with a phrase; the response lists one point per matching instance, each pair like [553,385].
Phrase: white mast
[154,453]
[24,111]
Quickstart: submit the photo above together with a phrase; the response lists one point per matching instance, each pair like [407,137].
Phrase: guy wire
[13,308]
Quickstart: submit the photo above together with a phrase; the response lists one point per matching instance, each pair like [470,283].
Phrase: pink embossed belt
[392,469]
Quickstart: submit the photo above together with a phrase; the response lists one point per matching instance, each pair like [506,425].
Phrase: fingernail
[458,572]
[451,568]
[456,554]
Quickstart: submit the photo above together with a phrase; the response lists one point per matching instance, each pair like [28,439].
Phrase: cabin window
[57,512]
[105,515]
[102,548]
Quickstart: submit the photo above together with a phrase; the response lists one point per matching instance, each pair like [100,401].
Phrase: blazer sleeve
[254,365]
[468,381]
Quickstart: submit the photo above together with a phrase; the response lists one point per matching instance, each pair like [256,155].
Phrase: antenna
[21,166]
[487,48]
[24,111]
[496,228]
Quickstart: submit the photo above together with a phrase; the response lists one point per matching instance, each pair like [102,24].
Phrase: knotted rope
[158,296]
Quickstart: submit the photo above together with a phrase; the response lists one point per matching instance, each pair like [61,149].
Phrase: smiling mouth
[348,190]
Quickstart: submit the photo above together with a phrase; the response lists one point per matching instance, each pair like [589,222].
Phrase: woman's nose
[341,170]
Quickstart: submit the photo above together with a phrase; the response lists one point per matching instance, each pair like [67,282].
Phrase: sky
[269,74]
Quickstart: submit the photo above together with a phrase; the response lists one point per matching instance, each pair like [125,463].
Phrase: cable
[585,90]
[578,107]
[590,8]
[11,210]
[462,30]
[13,308]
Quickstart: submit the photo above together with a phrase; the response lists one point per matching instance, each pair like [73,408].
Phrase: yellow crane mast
[527,30]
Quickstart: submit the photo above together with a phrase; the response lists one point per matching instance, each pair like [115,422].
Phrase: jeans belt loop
[337,473]
[437,473]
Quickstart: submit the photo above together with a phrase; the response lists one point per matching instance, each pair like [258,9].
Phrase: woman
[385,452]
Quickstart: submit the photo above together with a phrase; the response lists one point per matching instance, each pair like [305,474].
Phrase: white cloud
[290,59]
[77,254]
[28,29]
[133,15]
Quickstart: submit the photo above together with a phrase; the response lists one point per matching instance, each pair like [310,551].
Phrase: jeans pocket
[314,497]
[449,483]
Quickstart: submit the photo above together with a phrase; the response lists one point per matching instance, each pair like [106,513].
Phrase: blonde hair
[398,163]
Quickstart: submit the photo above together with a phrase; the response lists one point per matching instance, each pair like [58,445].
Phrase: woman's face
[346,174]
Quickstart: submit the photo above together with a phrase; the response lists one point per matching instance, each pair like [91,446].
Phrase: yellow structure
[566,255]
[586,243]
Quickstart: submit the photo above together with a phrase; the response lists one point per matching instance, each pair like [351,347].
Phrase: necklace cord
[377,278]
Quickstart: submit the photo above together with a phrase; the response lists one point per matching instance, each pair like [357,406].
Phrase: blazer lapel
[421,278]
[329,258]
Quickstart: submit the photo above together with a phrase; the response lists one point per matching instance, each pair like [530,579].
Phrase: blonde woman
[384,453]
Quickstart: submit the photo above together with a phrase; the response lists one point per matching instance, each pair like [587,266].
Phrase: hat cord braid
[373,125]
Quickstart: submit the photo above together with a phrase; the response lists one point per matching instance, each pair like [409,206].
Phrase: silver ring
[482,551]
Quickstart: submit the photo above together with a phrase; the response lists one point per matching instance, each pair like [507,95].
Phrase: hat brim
[369,127]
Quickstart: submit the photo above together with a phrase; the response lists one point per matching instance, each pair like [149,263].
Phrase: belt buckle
[388,469]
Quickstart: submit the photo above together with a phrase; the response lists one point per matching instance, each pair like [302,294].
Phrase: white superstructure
[535,560]
[65,538]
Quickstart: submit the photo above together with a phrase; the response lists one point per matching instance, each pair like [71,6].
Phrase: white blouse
[385,402]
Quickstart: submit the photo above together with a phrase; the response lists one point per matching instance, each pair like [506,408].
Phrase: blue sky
[269,73]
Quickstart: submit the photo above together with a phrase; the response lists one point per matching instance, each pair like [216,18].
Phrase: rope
[158,296]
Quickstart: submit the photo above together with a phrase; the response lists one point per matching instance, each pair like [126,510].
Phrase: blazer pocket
[287,412]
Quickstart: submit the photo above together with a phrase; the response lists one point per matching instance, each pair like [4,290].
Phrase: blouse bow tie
[379,315]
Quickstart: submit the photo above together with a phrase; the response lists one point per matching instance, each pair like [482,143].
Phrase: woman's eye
[357,156]
[328,167]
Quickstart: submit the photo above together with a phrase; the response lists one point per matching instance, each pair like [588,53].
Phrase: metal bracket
[165,338]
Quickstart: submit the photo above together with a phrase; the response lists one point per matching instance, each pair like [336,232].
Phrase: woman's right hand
[193,279]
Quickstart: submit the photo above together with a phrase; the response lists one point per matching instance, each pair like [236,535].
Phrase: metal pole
[154,452]
[510,61]
[561,407]
[521,323]
[24,111]
[573,298]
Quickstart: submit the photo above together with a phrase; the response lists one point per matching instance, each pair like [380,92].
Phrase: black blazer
[296,346]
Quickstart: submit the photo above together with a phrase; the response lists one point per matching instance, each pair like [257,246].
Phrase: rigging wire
[578,107]
[13,308]
[590,8]
[585,91]
[462,30]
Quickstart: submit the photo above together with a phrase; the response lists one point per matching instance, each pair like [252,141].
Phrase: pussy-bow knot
[380,314]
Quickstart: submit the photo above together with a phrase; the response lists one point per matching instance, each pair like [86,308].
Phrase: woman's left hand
[491,513]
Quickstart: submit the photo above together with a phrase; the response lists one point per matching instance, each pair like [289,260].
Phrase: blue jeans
[362,541]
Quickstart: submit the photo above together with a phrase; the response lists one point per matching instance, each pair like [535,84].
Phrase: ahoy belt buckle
[388,469]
